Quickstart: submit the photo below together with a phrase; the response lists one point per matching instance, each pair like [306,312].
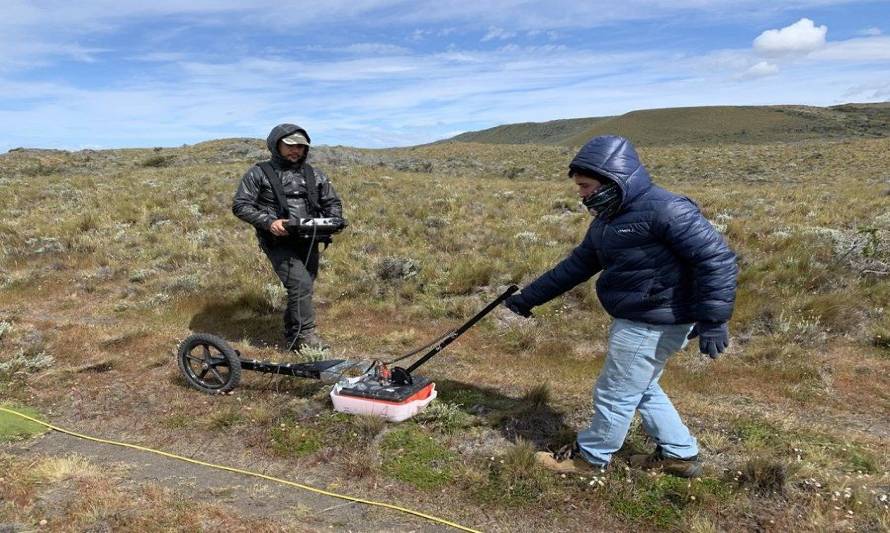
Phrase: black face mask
[604,201]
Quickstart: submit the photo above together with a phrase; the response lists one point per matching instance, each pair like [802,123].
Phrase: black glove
[713,337]
[518,305]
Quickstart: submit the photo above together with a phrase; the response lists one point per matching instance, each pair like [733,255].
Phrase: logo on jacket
[625,230]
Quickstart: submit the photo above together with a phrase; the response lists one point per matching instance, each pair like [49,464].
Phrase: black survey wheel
[208,363]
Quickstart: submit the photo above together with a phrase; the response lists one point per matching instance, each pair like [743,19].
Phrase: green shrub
[157,161]
[444,416]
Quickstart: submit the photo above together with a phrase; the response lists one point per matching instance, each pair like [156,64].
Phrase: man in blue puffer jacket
[666,275]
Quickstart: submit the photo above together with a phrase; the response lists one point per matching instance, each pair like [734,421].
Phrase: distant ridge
[552,132]
[701,125]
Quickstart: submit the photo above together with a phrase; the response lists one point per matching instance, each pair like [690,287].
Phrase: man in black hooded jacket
[294,258]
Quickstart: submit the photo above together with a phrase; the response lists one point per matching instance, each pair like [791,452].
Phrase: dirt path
[246,495]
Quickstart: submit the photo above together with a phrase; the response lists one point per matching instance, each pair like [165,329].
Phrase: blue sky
[378,73]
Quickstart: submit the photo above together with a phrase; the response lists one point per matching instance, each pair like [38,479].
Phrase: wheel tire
[214,369]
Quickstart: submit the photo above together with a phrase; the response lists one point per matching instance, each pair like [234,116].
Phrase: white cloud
[801,37]
[419,35]
[372,49]
[528,15]
[759,70]
[27,53]
[723,60]
[869,92]
[498,33]
[870,32]
[862,49]
[162,57]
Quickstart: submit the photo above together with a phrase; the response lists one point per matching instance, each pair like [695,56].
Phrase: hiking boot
[311,340]
[567,460]
[688,467]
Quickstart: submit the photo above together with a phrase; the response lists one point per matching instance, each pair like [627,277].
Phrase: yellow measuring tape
[245,472]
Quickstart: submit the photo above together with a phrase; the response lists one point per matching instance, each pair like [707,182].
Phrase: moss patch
[416,458]
[663,500]
[14,427]
[294,439]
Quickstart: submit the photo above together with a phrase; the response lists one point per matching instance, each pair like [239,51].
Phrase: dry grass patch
[57,469]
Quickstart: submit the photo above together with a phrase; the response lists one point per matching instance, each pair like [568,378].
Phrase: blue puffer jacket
[662,262]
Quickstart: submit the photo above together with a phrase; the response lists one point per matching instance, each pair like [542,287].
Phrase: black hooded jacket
[255,201]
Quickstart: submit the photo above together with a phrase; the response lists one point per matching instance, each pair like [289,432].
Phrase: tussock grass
[367,427]
[538,397]
[765,476]
[512,479]
[225,418]
[56,469]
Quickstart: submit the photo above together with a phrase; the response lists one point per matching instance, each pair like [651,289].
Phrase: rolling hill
[701,125]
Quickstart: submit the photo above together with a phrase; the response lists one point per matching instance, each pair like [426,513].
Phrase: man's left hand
[713,337]
[518,305]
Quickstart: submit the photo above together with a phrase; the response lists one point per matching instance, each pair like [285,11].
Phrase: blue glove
[713,337]
[518,305]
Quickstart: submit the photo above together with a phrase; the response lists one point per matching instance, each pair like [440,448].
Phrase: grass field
[109,258]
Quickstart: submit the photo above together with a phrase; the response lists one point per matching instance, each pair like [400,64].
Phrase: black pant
[296,265]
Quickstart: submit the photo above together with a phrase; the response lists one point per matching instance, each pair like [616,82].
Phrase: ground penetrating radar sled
[211,365]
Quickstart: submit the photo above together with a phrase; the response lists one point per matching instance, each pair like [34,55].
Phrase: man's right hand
[518,305]
[277,228]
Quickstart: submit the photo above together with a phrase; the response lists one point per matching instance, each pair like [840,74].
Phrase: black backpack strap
[311,189]
[277,188]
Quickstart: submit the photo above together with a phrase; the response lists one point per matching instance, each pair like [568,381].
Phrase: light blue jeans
[629,382]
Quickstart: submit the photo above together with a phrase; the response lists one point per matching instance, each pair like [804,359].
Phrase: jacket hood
[615,158]
[277,133]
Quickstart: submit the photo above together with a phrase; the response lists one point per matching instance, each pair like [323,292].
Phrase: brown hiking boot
[689,467]
[567,460]
[311,340]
